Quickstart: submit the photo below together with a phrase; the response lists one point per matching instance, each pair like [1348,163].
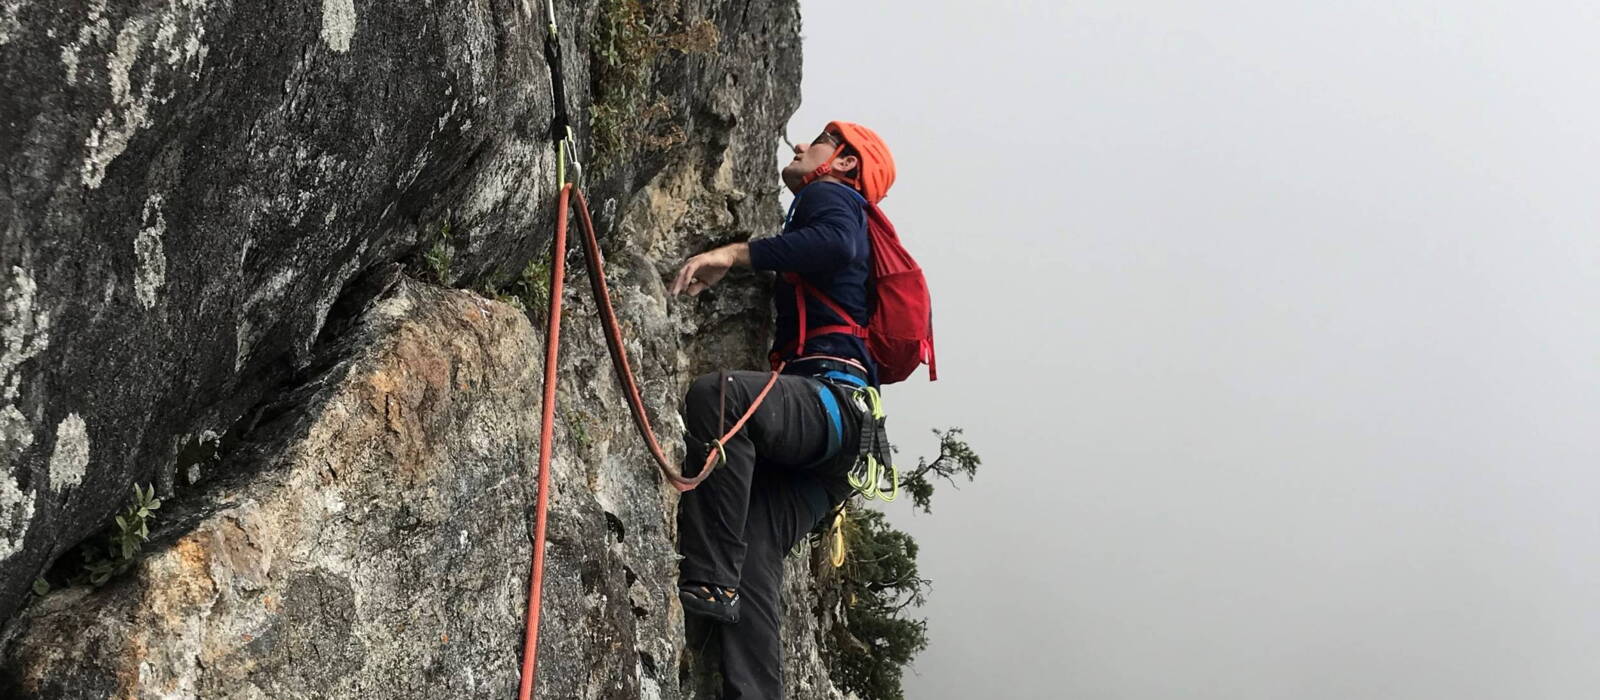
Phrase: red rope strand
[619,360]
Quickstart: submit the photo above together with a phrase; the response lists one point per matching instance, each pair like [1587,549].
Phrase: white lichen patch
[174,34]
[24,329]
[128,113]
[338,23]
[151,272]
[15,433]
[94,31]
[10,25]
[16,515]
[24,333]
[70,458]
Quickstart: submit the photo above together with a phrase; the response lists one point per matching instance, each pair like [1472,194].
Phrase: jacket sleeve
[831,237]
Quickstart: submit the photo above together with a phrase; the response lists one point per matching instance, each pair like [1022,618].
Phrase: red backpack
[900,333]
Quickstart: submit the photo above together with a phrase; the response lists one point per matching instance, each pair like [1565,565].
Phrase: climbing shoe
[713,602]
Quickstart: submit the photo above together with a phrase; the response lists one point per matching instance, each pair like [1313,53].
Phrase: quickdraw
[875,463]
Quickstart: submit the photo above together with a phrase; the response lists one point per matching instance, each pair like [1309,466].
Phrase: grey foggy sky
[1275,324]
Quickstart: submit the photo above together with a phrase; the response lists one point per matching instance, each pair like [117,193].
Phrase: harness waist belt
[826,368]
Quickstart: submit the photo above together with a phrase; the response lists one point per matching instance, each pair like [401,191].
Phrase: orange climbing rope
[619,360]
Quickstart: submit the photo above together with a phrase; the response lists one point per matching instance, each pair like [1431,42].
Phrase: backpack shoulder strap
[802,288]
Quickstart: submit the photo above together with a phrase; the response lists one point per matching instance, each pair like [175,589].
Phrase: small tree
[956,458]
[879,581]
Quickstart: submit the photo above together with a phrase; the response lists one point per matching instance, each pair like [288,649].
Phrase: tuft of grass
[529,290]
[439,255]
[580,431]
[532,288]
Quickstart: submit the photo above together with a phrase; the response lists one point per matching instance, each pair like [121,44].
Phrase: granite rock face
[376,553]
[211,218]
[380,543]
[191,187]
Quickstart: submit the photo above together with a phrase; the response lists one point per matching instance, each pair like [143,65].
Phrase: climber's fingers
[699,273]
[685,278]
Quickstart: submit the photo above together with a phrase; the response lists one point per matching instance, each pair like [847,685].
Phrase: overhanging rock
[192,187]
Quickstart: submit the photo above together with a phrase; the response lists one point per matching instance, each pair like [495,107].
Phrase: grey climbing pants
[785,470]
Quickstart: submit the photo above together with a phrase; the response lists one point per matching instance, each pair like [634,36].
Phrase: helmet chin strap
[827,169]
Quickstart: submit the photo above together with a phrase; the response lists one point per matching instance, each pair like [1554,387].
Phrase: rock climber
[787,468]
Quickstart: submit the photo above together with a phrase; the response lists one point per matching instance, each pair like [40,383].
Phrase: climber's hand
[705,270]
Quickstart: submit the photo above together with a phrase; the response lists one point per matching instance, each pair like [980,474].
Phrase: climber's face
[810,156]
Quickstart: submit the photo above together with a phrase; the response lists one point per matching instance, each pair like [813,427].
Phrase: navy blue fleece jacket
[824,241]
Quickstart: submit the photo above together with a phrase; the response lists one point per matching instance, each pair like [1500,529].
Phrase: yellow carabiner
[837,540]
[894,486]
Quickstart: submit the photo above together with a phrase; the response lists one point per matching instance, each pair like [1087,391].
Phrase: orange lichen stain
[380,385]
[192,583]
[192,554]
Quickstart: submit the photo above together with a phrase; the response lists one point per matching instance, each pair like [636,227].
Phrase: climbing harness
[874,465]
[874,456]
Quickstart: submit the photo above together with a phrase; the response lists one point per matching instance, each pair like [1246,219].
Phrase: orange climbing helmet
[875,174]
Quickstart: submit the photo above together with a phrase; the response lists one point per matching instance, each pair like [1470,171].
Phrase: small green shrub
[956,458]
[115,554]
